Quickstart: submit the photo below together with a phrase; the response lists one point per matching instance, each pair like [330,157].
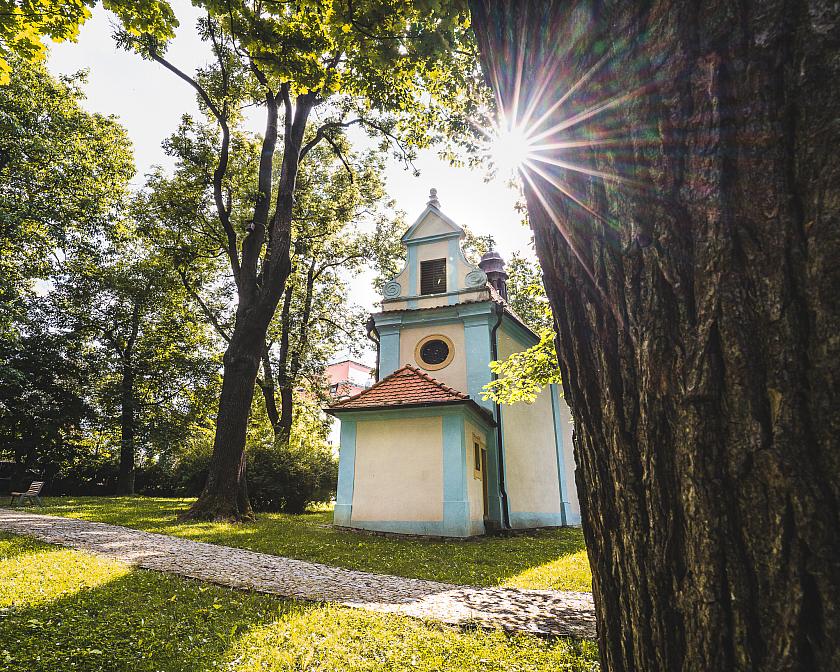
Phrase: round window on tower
[434,352]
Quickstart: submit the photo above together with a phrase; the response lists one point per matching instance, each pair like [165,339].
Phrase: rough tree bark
[698,311]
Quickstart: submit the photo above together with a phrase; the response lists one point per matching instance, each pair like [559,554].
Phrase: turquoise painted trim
[573,519]
[524,519]
[346,473]
[523,336]
[494,494]
[459,410]
[433,238]
[437,312]
[389,349]
[478,355]
[558,444]
[456,505]
[452,280]
[426,528]
[413,274]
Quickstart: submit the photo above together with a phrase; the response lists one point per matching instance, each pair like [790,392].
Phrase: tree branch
[320,134]
[204,307]
[221,167]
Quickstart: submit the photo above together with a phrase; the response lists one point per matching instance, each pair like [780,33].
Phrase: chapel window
[433,276]
[434,352]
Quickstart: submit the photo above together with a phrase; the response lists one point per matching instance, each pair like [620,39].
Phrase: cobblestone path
[543,612]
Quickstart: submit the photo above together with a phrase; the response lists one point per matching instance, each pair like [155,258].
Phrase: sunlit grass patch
[569,572]
[49,572]
[334,638]
[91,613]
[542,559]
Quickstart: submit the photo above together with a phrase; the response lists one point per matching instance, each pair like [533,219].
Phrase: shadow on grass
[62,609]
[139,621]
[146,621]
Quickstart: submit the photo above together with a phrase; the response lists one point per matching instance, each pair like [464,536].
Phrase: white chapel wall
[455,373]
[398,470]
[530,451]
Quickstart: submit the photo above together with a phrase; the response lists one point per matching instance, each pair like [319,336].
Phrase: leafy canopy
[63,173]
[25,23]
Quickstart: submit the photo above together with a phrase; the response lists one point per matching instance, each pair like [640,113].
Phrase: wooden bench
[33,495]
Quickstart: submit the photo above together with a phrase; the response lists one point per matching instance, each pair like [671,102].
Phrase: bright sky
[149,101]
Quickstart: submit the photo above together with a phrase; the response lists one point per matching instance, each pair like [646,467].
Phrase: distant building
[345,379]
[348,378]
[421,451]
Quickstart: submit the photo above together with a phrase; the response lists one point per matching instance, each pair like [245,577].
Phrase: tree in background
[340,228]
[64,173]
[154,355]
[320,67]
[342,224]
[44,406]
[682,182]
[97,344]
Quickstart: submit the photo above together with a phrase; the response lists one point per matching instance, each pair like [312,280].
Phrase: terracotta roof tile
[406,386]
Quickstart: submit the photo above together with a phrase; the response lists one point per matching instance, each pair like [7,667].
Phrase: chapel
[421,451]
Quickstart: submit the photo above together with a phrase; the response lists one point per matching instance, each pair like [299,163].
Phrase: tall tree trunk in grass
[128,410]
[225,494]
[685,199]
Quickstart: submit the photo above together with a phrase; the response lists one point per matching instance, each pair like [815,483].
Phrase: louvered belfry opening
[433,276]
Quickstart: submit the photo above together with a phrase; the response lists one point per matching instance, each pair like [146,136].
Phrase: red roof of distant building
[407,386]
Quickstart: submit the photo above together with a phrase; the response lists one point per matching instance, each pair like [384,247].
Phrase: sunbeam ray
[581,81]
[613,177]
[590,112]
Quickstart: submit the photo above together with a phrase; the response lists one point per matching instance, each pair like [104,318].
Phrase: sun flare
[510,147]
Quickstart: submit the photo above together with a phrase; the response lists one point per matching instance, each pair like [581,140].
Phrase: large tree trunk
[697,311]
[260,287]
[128,414]
[225,495]
[125,476]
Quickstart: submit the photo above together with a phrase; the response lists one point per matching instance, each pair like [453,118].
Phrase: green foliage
[155,355]
[291,477]
[545,559]
[86,303]
[24,24]
[63,609]
[43,408]
[63,174]
[526,293]
[521,377]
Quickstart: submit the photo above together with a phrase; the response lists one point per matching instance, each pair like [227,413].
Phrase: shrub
[290,478]
[189,473]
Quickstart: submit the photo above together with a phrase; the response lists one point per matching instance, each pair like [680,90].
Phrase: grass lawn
[545,559]
[66,610]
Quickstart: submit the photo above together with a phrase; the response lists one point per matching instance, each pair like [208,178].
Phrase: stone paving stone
[542,612]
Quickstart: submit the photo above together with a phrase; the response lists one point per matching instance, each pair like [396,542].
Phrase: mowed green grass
[65,610]
[546,559]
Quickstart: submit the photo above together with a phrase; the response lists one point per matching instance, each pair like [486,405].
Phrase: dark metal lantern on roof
[494,266]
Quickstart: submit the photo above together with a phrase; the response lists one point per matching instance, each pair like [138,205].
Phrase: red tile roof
[406,386]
